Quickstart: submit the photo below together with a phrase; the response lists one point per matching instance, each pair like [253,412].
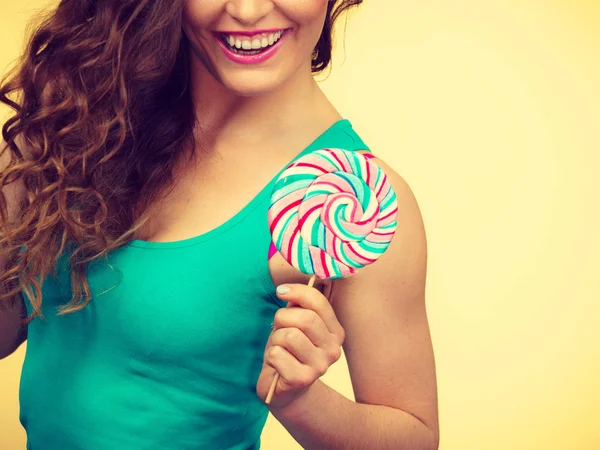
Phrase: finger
[311,298]
[307,321]
[292,372]
[301,348]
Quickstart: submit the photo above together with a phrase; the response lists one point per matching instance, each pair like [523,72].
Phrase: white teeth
[255,44]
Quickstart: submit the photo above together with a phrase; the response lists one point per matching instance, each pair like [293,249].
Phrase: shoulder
[409,219]
[403,266]
[407,201]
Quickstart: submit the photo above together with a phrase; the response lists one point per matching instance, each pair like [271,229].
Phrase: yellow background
[491,111]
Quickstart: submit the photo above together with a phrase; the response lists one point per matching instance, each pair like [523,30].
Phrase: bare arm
[12,332]
[388,349]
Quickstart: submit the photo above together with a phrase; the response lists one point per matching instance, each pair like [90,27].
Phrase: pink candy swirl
[332,212]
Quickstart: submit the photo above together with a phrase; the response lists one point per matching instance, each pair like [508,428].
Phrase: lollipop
[332,212]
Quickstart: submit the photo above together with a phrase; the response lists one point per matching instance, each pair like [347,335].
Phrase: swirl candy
[332,212]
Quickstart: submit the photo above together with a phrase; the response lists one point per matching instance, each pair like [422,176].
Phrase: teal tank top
[168,352]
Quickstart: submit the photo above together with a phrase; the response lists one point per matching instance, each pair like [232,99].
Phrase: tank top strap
[340,135]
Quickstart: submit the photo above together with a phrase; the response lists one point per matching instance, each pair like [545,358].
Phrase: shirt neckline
[264,193]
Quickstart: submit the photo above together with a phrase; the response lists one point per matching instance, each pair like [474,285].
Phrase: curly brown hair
[102,109]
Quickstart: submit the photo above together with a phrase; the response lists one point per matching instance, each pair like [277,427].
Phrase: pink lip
[250,59]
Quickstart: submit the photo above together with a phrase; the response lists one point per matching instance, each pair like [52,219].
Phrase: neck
[220,112]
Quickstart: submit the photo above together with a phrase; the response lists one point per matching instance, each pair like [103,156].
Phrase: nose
[248,12]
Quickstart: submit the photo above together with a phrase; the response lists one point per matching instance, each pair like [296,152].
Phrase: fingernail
[283,289]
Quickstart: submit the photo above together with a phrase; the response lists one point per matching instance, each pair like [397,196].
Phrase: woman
[136,179]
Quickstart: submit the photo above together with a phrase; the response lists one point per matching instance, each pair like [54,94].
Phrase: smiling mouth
[251,45]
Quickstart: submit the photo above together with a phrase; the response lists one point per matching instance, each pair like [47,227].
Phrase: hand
[305,341]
